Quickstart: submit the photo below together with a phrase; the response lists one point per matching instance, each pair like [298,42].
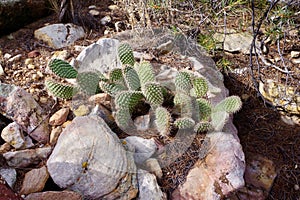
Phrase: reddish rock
[33,54]
[59,117]
[34,180]
[6,193]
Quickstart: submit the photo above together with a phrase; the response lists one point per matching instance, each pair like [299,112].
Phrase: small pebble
[28,61]
[113,7]
[94,12]
[30,66]
[43,100]
[15,58]
[7,56]
[92,7]
[295,54]
[296,187]
[33,54]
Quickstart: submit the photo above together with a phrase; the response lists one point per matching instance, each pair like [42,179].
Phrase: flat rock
[89,158]
[235,42]
[28,114]
[34,180]
[9,175]
[27,157]
[148,187]
[99,56]
[59,35]
[143,148]
[59,117]
[13,135]
[53,195]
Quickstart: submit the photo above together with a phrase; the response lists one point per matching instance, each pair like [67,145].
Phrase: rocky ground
[265,138]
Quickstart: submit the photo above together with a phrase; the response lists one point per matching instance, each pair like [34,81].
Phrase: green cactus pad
[128,99]
[111,88]
[123,118]
[62,68]
[116,75]
[230,105]
[153,93]
[183,82]
[162,120]
[201,127]
[131,78]
[126,54]
[204,107]
[145,72]
[89,82]
[60,90]
[200,87]
[184,123]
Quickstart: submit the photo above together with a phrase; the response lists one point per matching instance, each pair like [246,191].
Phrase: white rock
[92,7]
[78,47]
[1,70]
[295,54]
[153,166]
[13,135]
[7,56]
[59,35]
[101,56]
[89,158]
[10,175]
[235,42]
[113,7]
[148,187]
[144,148]
[142,123]
[94,12]
[16,58]
[105,20]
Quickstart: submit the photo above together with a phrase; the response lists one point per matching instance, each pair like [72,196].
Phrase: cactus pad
[145,72]
[201,127]
[128,99]
[230,104]
[89,82]
[126,54]
[200,87]
[162,121]
[153,93]
[184,123]
[131,78]
[204,107]
[111,88]
[60,90]
[183,82]
[62,69]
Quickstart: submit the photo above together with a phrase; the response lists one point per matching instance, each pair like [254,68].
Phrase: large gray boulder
[90,159]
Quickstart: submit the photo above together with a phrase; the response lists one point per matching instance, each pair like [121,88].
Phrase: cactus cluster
[134,83]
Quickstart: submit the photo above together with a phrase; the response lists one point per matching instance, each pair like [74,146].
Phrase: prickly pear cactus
[126,54]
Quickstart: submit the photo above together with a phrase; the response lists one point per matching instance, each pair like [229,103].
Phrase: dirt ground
[260,128]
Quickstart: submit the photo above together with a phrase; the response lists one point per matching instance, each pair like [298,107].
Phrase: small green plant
[134,84]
